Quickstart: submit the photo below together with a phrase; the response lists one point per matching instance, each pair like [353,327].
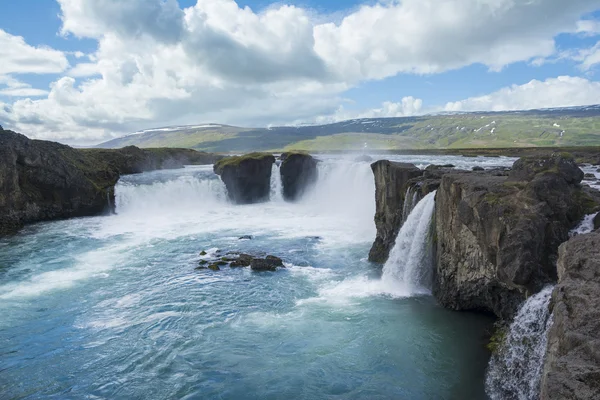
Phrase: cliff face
[41,180]
[498,236]
[572,365]
[391,180]
[247,178]
[298,173]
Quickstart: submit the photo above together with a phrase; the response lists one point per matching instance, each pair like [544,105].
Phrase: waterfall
[133,195]
[515,370]
[276,186]
[411,198]
[410,261]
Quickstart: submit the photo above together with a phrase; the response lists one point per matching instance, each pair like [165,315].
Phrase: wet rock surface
[257,263]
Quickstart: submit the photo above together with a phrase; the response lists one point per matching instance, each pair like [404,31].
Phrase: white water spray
[183,193]
[515,370]
[410,261]
[276,185]
[585,226]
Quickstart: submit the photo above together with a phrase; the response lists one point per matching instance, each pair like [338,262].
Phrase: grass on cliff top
[235,161]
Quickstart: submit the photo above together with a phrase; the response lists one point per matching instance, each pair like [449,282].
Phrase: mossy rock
[214,267]
[236,161]
[203,253]
[202,262]
[497,340]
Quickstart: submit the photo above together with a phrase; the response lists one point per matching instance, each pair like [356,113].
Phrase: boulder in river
[270,263]
[247,177]
[298,173]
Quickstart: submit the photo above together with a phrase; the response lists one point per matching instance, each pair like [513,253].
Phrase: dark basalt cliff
[247,177]
[572,365]
[298,173]
[391,179]
[498,236]
[41,180]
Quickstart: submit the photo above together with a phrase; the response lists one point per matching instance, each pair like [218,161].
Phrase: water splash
[515,370]
[276,185]
[585,226]
[410,261]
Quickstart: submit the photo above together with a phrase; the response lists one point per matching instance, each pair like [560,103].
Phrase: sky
[86,71]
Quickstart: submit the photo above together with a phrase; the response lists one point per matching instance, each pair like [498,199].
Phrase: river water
[113,308]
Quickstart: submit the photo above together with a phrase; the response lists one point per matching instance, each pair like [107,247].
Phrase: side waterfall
[515,370]
[410,261]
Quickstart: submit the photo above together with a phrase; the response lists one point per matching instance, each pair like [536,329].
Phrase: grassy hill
[575,126]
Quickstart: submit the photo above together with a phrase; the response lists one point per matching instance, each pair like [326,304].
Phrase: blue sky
[315,62]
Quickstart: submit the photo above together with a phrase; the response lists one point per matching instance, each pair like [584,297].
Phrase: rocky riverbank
[497,239]
[42,181]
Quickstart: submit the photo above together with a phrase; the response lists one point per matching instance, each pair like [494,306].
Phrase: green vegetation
[237,160]
[497,339]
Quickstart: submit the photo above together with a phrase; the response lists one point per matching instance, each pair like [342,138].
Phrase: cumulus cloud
[20,58]
[563,91]
[215,61]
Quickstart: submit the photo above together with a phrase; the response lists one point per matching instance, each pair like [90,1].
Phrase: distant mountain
[573,126]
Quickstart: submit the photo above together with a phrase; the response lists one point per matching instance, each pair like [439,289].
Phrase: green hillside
[577,126]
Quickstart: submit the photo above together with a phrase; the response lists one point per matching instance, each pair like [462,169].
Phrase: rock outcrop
[498,235]
[247,177]
[298,173]
[572,364]
[41,180]
[391,179]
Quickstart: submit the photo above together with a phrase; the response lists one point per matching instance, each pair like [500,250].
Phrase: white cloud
[20,58]
[588,58]
[407,107]
[563,91]
[588,27]
[158,64]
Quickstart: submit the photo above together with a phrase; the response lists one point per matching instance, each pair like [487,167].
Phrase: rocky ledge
[497,235]
[41,180]
[247,177]
[572,365]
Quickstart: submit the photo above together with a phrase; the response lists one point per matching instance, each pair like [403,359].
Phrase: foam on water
[585,226]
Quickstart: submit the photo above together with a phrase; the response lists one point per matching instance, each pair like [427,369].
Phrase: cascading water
[410,201]
[187,192]
[515,370]
[276,185]
[585,226]
[410,261]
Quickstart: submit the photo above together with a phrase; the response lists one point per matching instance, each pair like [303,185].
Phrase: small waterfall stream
[410,201]
[515,370]
[410,261]
[276,185]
